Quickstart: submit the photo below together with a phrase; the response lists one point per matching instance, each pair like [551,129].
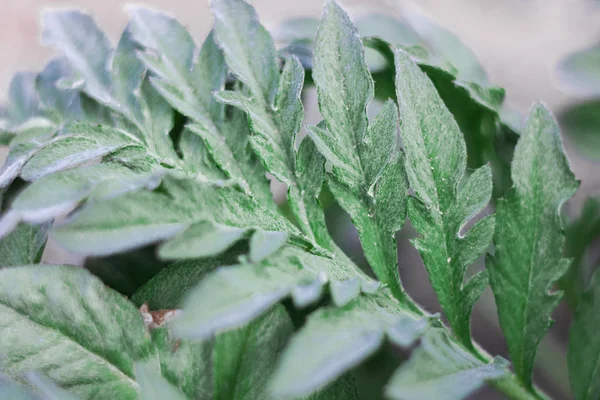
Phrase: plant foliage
[162,145]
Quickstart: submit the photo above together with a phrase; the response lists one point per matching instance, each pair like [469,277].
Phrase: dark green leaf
[435,164]
[584,345]
[529,240]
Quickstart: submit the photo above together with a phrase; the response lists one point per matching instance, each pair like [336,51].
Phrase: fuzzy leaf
[334,340]
[440,369]
[529,241]
[435,164]
[24,245]
[153,386]
[365,166]
[584,345]
[232,296]
[122,85]
[142,217]
[64,322]
[187,81]
[274,109]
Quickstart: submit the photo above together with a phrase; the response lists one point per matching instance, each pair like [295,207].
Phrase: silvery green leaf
[64,322]
[439,368]
[334,340]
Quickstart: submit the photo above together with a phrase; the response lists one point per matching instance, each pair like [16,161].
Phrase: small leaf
[263,244]
[584,345]
[168,288]
[202,239]
[334,340]
[529,240]
[248,47]
[440,369]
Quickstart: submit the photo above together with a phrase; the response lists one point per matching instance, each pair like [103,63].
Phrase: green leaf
[65,323]
[122,85]
[232,296]
[248,47]
[580,234]
[186,81]
[127,169]
[529,240]
[275,111]
[185,365]
[169,287]
[441,369]
[365,165]
[245,358]
[584,346]
[439,211]
[334,340]
[24,245]
[142,217]
[153,386]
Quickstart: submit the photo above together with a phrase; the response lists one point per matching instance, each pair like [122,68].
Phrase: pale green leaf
[231,296]
[140,218]
[274,109]
[248,47]
[202,239]
[441,208]
[334,340]
[169,287]
[65,323]
[441,369]
[529,240]
[580,71]
[24,245]
[153,386]
[186,81]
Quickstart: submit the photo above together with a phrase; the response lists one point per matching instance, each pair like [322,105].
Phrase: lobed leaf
[528,239]
[365,166]
[439,211]
[274,110]
[65,323]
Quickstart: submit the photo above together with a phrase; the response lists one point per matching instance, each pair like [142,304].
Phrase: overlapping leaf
[435,164]
[528,240]
[440,369]
[187,81]
[367,177]
[199,210]
[274,110]
[335,340]
[63,322]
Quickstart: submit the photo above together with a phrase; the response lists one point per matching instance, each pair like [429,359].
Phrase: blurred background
[532,48]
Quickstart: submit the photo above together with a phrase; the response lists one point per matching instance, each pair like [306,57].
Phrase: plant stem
[513,390]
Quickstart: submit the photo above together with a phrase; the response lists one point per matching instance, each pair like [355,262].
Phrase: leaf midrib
[107,362]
